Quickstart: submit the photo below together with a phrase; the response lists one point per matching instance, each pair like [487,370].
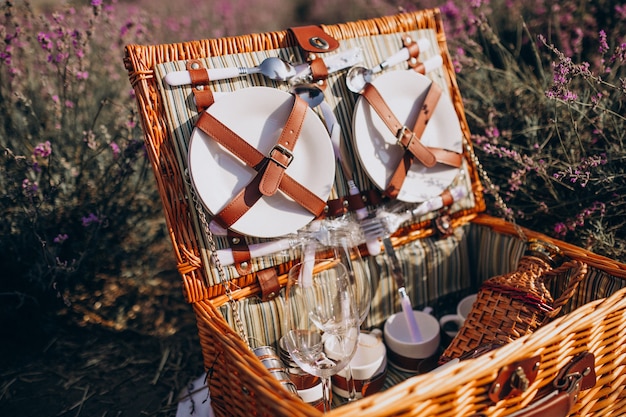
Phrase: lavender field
[90,299]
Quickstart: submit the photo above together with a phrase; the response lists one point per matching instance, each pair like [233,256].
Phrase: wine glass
[320,317]
[340,239]
[344,244]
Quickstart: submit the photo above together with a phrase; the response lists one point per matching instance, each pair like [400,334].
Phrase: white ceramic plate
[376,146]
[257,115]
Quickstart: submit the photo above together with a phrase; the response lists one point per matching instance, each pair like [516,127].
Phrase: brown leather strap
[577,376]
[241,253]
[197,72]
[365,387]
[412,46]
[342,205]
[442,156]
[318,69]
[447,198]
[404,134]
[268,281]
[255,159]
[268,179]
[281,154]
[200,77]
[204,98]
[410,139]
[314,39]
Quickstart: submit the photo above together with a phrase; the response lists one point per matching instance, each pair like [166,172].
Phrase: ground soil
[128,349]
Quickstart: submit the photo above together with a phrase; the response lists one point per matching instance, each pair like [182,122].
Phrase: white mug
[403,353]
[463,309]
[368,363]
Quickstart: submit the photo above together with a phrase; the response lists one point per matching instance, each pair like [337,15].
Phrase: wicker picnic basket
[573,361]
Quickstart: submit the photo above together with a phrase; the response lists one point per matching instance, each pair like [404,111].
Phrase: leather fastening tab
[514,379]
[241,253]
[314,39]
[447,198]
[584,365]
[268,281]
[560,398]
[411,141]
[281,154]
[199,78]
[204,98]
[197,72]
[413,47]
[318,69]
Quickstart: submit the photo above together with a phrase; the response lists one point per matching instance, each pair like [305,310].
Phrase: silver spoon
[358,75]
[273,68]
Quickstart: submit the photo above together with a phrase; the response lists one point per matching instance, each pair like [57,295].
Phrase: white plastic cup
[463,309]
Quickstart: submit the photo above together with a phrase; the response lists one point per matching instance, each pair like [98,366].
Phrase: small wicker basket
[517,303]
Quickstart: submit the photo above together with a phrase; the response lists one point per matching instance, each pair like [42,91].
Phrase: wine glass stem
[350,384]
[326,393]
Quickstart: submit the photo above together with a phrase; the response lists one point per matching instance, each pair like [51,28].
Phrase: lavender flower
[90,219]
[43,150]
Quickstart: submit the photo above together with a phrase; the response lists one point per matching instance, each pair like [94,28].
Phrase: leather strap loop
[342,205]
[447,198]
[268,281]
[412,46]
[318,69]
[241,253]
[199,78]
[204,98]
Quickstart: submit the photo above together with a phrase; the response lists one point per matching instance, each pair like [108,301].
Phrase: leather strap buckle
[402,132]
[283,151]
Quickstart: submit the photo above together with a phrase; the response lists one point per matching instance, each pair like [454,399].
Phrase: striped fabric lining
[181,115]
[434,268]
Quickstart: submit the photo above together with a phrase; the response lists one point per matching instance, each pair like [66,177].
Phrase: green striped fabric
[182,114]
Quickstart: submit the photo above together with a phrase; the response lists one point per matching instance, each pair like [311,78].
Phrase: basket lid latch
[514,379]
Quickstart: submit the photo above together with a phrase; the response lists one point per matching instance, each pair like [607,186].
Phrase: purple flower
[116,149]
[604,46]
[90,219]
[29,187]
[560,229]
[96,3]
[60,238]
[43,150]
[82,75]
[44,41]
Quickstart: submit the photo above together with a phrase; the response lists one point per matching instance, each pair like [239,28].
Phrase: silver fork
[386,222]
[381,226]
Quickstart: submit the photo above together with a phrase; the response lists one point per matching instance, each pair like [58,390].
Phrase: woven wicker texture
[482,247]
[513,305]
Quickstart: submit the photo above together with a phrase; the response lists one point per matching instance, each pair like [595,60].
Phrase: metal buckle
[401,132]
[280,148]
